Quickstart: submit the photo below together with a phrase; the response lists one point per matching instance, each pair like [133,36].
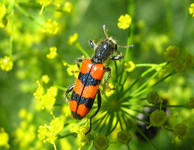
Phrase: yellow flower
[22,113]
[72,39]
[44,3]
[6,63]
[73,70]
[57,3]
[108,91]
[48,100]
[124,21]
[82,139]
[48,133]
[57,125]
[45,78]
[39,92]
[191,9]
[53,53]
[3,11]
[4,138]
[171,53]
[51,27]
[68,7]
[129,66]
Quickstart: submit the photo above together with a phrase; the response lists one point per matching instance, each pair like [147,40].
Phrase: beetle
[91,73]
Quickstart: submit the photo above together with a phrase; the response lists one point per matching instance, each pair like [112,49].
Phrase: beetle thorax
[103,50]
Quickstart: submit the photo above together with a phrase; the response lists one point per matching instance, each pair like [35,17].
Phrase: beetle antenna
[128,46]
[105,31]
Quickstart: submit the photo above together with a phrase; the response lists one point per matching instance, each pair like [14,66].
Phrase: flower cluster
[68,6]
[6,63]
[4,138]
[129,66]
[191,9]
[178,62]
[158,118]
[82,139]
[53,53]
[124,21]
[72,70]
[3,12]
[45,100]
[48,133]
[72,39]
[51,27]
[26,132]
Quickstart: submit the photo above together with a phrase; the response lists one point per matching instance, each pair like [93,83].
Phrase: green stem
[61,88]
[130,39]
[78,46]
[143,85]
[130,11]
[27,15]
[146,65]
[146,89]
[154,67]
[164,106]
[12,28]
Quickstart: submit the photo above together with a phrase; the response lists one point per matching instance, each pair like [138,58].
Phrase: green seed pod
[123,137]
[181,130]
[152,97]
[101,142]
[158,118]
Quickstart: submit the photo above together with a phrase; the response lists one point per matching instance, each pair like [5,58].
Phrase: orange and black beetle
[90,76]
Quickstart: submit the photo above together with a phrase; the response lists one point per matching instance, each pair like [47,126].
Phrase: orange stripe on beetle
[90,91]
[73,105]
[97,71]
[86,66]
[82,110]
[78,88]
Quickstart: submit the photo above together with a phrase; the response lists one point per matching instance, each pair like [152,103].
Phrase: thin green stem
[61,88]
[12,28]
[130,39]
[128,146]
[78,46]
[146,65]
[164,106]
[27,14]
[60,137]
[145,84]
[154,67]
[146,89]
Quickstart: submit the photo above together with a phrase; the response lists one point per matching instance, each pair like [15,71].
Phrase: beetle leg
[67,92]
[99,105]
[118,57]
[79,60]
[107,69]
